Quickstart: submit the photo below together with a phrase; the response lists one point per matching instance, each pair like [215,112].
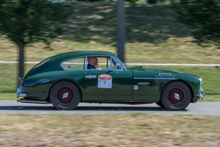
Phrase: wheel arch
[62,80]
[179,80]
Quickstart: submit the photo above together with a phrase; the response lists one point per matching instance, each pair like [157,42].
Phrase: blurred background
[156,31]
[142,32]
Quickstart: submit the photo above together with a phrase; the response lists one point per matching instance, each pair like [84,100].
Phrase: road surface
[199,108]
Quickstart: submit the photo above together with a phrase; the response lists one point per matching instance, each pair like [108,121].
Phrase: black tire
[160,104]
[65,95]
[176,96]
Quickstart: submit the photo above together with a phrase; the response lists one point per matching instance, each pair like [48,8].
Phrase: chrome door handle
[143,83]
[90,76]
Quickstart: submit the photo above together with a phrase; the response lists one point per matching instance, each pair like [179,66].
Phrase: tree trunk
[152,1]
[121,30]
[21,61]
[146,2]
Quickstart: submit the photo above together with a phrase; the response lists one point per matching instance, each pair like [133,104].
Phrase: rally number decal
[104,81]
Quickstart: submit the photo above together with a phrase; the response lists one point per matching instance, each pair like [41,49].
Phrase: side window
[76,63]
[116,64]
[96,62]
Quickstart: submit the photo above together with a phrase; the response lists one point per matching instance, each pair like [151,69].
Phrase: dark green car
[99,77]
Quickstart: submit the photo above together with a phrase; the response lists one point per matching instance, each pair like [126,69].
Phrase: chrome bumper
[19,94]
[201,94]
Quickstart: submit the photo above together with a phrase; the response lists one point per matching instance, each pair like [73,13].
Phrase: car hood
[139,68]
[159,73]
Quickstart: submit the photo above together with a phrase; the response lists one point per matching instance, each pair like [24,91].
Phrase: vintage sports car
[67,79]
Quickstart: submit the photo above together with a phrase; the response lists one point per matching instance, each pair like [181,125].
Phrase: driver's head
[92,60]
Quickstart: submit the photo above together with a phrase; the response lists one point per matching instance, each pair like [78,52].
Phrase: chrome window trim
[84,66]
[96,56]
[105,69]
[111,62]
[155,78]
[86,61]
[74,69]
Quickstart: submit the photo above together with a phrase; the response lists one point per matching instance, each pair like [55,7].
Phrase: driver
[92,63]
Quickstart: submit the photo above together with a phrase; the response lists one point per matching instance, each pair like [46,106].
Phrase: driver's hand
[97,67]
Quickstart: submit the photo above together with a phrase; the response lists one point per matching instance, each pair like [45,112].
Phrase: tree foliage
[203,16]
[29,21]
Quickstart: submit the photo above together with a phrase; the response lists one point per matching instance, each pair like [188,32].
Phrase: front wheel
[176,96]
[65,95]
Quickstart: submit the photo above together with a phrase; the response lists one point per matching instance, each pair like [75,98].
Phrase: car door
[113,83]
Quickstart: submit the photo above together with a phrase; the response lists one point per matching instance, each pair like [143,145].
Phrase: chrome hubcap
[177,96]
[65,95]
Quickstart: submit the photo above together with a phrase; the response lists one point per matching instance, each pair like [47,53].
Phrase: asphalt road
[199,108]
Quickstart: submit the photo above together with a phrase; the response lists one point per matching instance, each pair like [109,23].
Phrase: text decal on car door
[104,81]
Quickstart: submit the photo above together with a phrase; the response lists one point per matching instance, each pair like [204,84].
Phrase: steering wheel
[117,66]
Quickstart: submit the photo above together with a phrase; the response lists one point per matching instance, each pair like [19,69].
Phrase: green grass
[153,36]
[9,76]
[109,130]
[8,96]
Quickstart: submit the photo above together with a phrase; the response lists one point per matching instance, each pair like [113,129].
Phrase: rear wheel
[176,96]
[65,95]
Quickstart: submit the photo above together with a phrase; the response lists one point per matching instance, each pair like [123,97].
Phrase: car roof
[68,55]
[83,53]
[58,59]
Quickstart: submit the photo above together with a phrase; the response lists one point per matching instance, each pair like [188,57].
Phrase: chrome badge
[135,87]
[177,96]
[65,95]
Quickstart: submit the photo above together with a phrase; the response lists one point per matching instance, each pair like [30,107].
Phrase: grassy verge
[8,76]
[109,130]
[153,35]
[12,96]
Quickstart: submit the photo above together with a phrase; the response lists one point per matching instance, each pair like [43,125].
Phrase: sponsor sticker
[135,87]
[105,81]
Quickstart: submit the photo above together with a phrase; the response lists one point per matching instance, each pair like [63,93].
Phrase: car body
[65,80]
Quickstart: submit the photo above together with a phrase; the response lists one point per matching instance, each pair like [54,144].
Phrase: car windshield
[119,62]
[116,64]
